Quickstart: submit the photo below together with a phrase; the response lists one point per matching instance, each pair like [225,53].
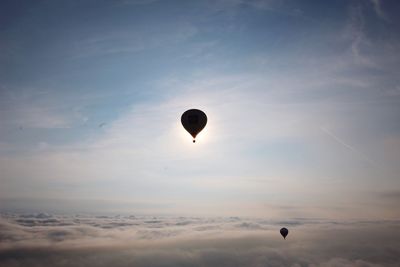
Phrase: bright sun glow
[202,138]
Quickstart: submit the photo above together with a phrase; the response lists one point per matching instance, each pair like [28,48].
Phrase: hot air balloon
[284,232]
[194,120]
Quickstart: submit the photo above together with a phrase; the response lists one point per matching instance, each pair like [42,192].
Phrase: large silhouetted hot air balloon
[194,120]
[284,232]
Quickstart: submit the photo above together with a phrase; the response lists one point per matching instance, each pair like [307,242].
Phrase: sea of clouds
[85,240]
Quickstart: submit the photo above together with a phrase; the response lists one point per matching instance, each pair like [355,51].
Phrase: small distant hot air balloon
[284,232]
[194,120]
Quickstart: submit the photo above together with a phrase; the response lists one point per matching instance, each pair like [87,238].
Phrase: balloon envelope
[194,120]
[284,232]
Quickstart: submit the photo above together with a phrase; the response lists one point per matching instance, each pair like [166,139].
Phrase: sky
[302,99]
[303,132]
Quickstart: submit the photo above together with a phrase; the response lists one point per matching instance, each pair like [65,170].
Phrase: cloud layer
[81,240]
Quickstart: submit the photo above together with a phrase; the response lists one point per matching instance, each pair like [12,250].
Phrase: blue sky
[303,101]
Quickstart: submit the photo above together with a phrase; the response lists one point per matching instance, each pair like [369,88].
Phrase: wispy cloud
[356,33]
[34,108]
[378,9]
[133,39]
[345,144]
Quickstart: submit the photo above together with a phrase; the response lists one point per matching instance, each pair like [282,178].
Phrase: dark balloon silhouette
[284,232]
[194,120]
